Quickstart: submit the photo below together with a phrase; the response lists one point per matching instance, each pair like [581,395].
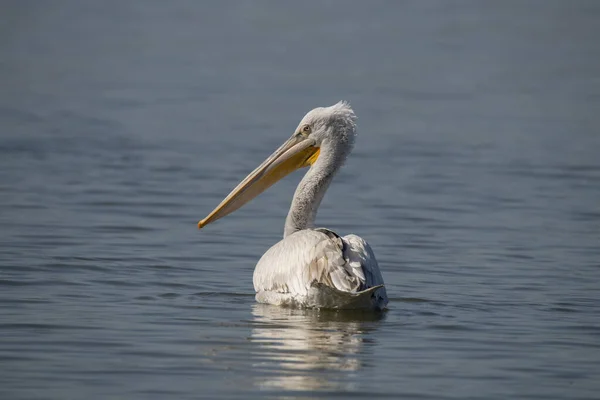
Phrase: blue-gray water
[476,179]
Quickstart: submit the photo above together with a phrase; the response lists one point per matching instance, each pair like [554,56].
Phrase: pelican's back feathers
[318,268]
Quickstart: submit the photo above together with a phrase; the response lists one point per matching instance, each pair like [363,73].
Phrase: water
[476,179]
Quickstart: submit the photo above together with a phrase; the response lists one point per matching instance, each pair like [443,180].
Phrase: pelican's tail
[323,296]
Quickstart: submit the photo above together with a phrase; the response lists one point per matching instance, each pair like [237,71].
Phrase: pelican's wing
[306,262]
[359,253]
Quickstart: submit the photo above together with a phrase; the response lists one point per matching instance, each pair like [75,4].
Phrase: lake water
[475,177]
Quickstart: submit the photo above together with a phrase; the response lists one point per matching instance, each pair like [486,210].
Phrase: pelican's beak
[297,152]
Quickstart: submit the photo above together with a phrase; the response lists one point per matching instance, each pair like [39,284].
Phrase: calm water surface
[476,178]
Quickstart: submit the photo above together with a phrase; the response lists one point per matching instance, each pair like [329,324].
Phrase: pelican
[310,267]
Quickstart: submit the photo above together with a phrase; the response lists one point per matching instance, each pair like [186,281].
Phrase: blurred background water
[476,179]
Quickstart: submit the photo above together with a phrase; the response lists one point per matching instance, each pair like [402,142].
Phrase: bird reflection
[307,349]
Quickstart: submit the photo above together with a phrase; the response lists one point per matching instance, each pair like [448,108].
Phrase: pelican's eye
[305,130]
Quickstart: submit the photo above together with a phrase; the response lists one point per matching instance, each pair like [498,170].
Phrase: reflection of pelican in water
[311,267]
[309,349]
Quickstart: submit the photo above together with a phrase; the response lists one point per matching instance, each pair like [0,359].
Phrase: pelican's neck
[312,188]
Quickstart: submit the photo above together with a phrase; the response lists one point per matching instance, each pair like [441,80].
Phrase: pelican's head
[335,125]
[332,128]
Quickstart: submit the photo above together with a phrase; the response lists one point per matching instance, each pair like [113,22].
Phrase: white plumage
[316,268]
[311,267]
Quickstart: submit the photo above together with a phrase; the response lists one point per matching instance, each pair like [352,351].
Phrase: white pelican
[311,267]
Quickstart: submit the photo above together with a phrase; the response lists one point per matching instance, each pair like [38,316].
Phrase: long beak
[295,153]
